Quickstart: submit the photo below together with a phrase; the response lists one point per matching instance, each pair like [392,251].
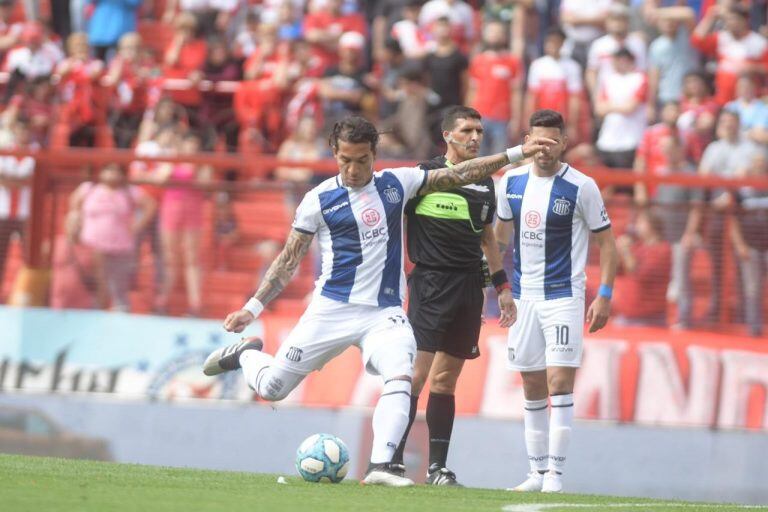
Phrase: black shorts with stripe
[445,309]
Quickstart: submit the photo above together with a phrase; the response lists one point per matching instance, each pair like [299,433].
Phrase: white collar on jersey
[559,174]
[341,184]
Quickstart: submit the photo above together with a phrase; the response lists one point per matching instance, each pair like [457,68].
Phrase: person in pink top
[105,217]
[181,223]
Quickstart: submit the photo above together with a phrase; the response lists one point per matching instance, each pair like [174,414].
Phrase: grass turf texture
[44,484]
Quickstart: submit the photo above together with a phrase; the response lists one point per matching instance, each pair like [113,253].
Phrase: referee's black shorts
[445,309]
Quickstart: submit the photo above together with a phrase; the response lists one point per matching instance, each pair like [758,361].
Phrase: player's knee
[273,389]
[418,381]
[535,385]
[395,363]
[560,385]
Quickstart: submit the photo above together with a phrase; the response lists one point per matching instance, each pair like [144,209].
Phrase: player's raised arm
[275,280]
[477,169]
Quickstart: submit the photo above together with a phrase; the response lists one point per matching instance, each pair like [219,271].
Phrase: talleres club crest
[561,207]
[392,195]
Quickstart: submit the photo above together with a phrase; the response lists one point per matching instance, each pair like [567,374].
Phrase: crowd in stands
[655,87]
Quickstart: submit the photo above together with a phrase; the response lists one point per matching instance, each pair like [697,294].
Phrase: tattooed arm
[275,280]
[477,169]
[281,271]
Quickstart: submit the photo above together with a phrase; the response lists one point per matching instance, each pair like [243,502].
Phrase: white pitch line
[539,507]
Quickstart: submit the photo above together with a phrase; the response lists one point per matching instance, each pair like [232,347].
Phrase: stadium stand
[292,67]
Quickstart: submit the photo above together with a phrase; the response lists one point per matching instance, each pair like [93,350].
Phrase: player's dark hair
[456,112]
[547,118]
[354,129]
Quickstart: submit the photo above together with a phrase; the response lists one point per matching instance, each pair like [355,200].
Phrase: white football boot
[385,474]
[532,484]
[553,482]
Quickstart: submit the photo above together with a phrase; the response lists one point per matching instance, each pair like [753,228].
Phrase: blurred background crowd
[654,87]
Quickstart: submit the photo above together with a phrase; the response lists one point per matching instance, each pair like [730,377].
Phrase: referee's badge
[562,207]
[392,195]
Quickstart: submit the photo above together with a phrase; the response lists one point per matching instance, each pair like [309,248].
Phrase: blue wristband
[605,291]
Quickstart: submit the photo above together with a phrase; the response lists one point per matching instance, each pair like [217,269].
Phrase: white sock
[253,363]
[560,430]
[390,419]
[536,418]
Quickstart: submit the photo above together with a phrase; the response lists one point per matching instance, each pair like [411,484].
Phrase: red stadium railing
[255,198]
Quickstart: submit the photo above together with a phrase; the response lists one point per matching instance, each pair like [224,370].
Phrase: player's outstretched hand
[238,321]
[598,313]
[533,145]
[507,308]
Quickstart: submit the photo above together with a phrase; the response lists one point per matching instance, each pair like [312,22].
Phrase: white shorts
[546,333]
[328,327]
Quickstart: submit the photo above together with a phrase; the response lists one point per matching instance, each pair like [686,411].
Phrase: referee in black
[448,233]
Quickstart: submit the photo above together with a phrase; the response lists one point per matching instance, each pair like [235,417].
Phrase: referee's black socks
[400,452]
[441,409]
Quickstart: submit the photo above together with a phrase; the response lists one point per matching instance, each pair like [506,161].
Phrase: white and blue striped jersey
[553,217]
[360,232]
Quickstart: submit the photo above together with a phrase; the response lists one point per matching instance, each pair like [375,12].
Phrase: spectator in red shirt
[76,76]
[10,33]
[324,25]
[38,107]
[645,262]
[737,48]
[128,76]
[650,156]
[698,112]
[270,58]
[495,89]
[217,115]
[554,82]
[184,58]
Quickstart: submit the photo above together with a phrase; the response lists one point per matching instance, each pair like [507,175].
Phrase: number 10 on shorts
[561,335]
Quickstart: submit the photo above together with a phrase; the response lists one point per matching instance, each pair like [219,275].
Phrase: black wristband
[499,278]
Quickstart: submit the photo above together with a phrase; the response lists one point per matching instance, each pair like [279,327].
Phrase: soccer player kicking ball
[448,233]
[358,218]
[552,208]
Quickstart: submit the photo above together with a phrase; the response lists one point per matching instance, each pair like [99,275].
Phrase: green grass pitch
[37,484]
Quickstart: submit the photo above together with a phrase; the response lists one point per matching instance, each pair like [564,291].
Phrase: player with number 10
[551,208]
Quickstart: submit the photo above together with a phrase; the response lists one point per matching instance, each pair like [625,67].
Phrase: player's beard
[550,165]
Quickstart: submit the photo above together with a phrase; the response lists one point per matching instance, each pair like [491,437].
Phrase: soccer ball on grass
[322,458]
